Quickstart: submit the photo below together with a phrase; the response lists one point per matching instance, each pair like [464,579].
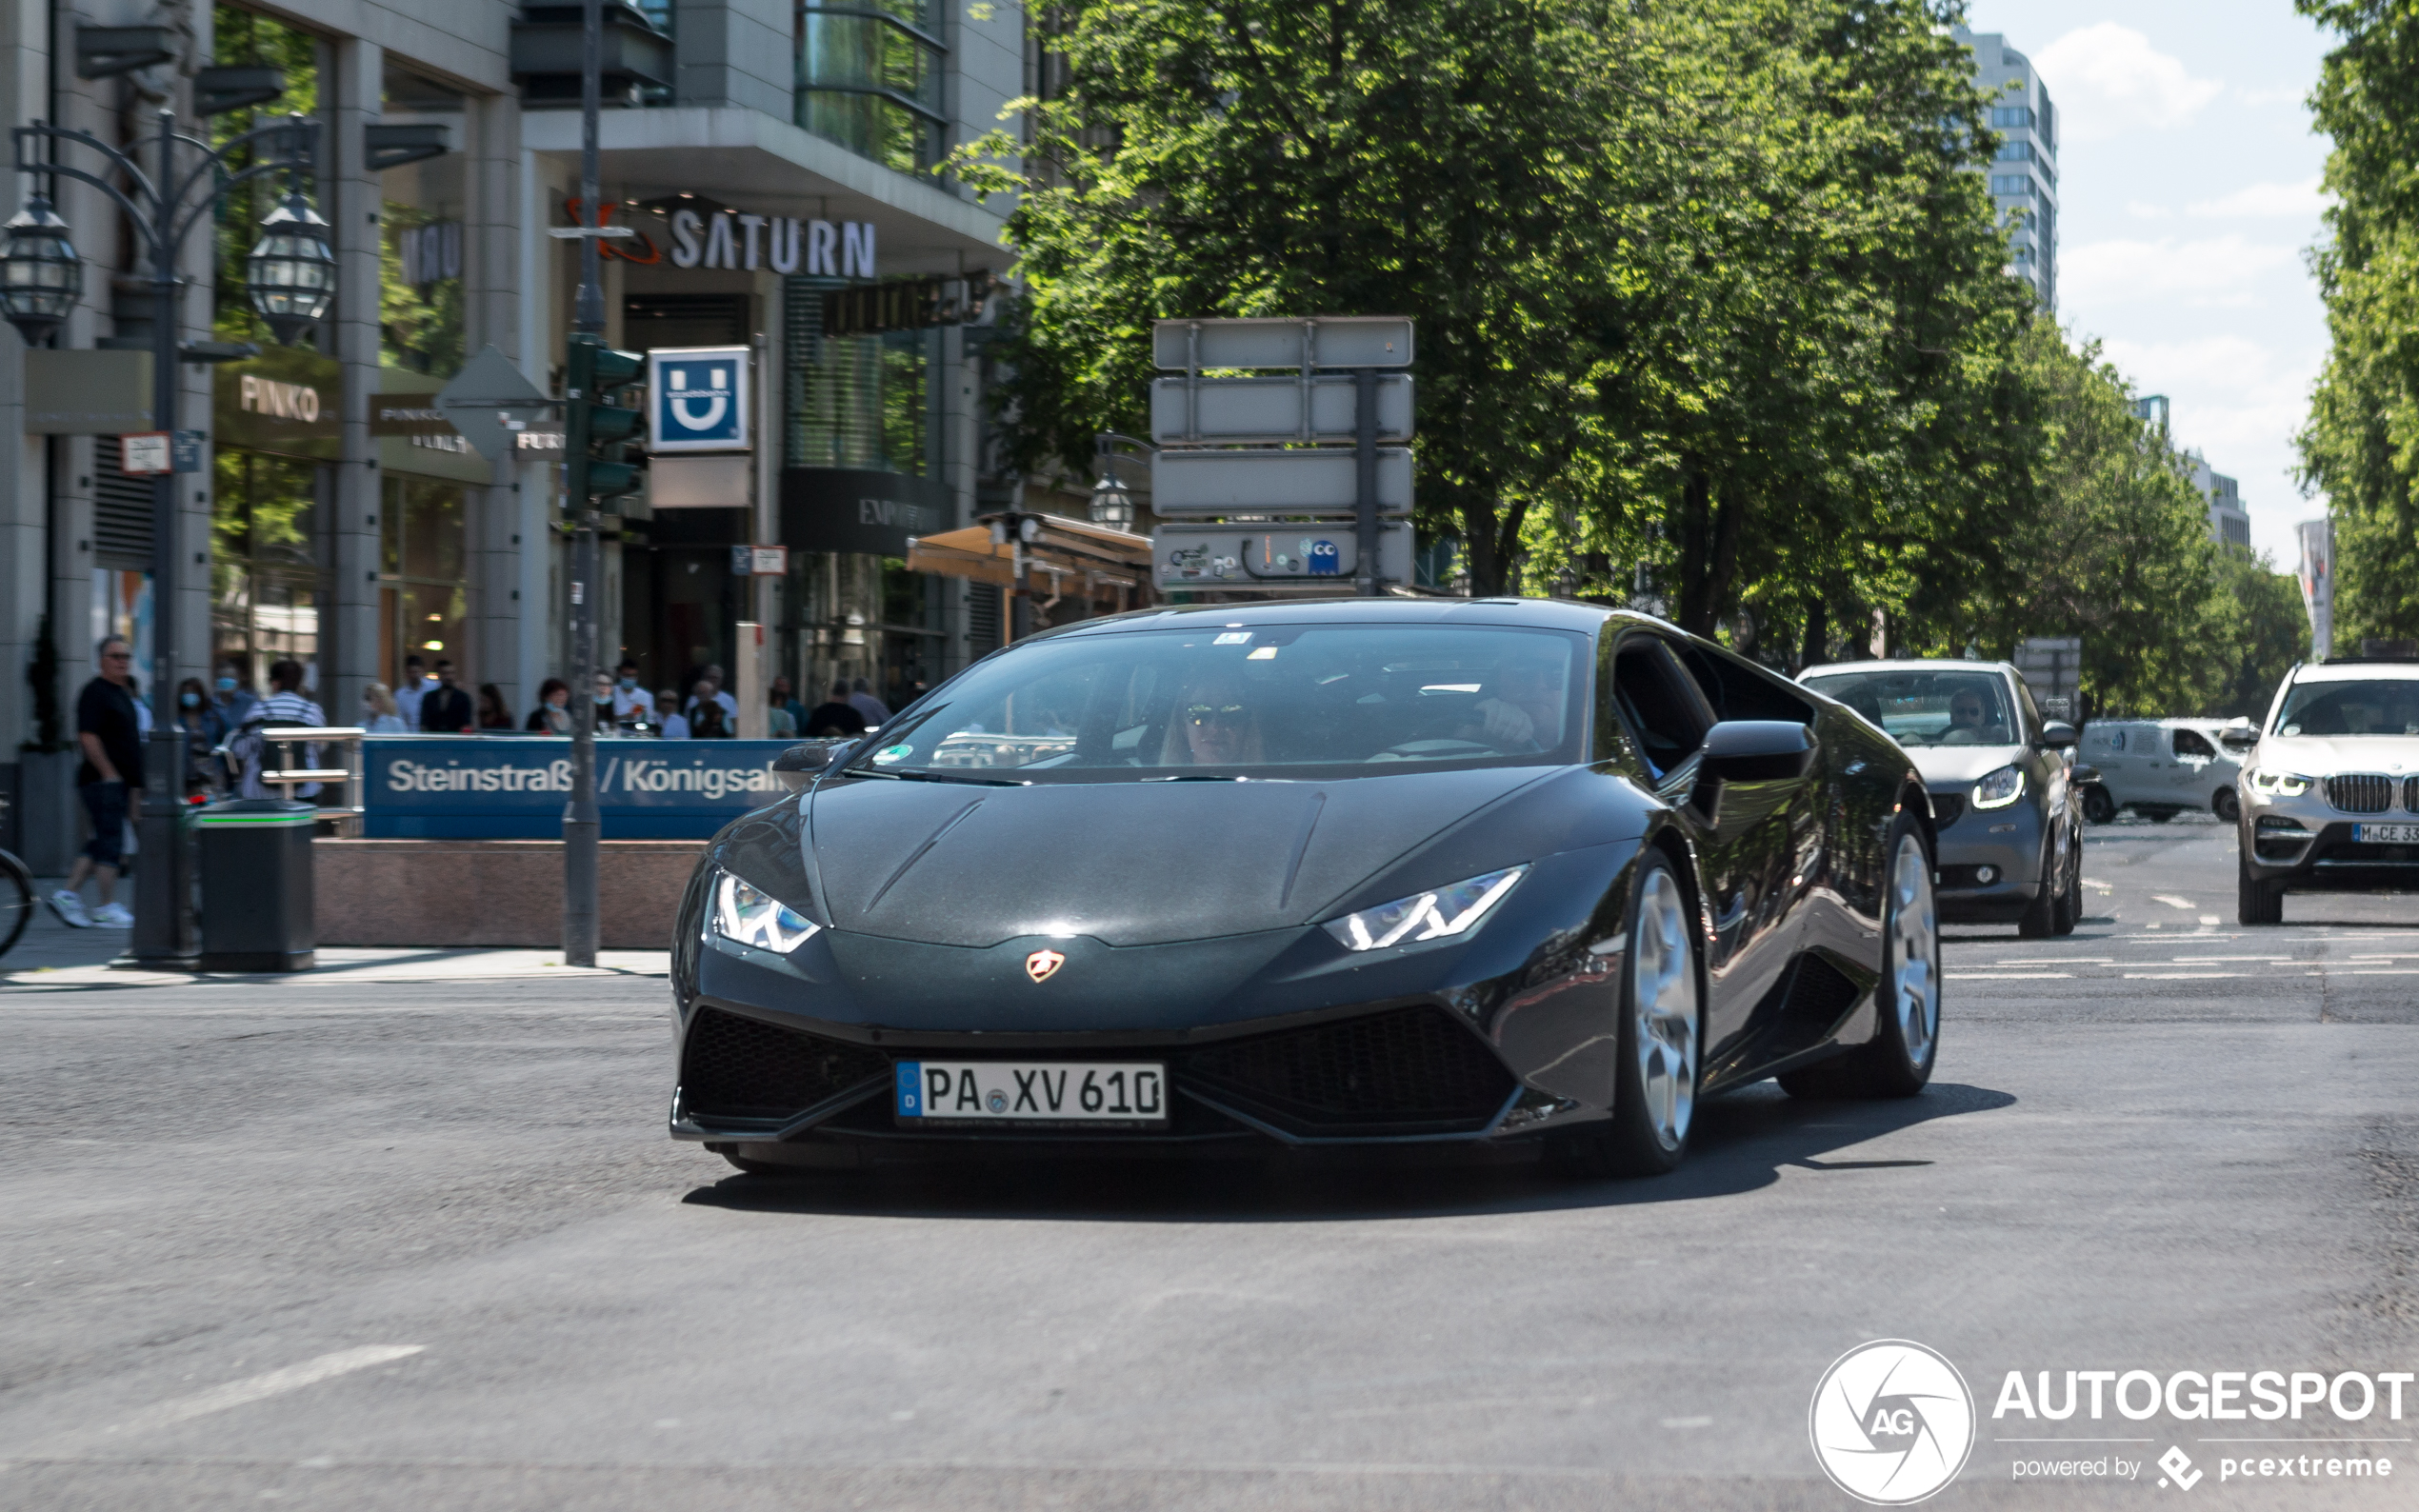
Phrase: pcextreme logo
[1892,1422]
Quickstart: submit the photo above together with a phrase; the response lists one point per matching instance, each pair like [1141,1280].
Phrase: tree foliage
[2361,444]
[1711,294]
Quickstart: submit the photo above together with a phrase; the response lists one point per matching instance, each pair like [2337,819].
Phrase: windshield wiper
[1193,777]
[937,777]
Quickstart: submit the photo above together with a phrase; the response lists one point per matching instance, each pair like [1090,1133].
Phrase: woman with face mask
[199,719]
[552,715]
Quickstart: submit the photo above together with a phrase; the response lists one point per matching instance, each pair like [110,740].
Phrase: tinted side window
[1659,703]
[2032,710]
[2189,743]
[1738,690]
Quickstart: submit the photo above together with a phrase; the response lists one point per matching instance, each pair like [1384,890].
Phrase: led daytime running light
[2000,788]
[2269,783]
[750,916]
[1446,912]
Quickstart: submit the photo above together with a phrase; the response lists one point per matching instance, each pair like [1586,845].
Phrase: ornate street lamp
[291,272]
[41,276]
[1111,505]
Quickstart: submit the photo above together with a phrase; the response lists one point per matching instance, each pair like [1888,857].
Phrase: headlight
[2268,783]
[751,915]
[2000,788]
[1449,911]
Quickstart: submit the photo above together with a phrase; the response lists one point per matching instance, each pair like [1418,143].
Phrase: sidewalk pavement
[52,956]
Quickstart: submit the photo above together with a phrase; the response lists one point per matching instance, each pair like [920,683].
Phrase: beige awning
[1068,550]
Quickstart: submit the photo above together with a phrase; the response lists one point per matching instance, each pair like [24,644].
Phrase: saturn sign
[697,399]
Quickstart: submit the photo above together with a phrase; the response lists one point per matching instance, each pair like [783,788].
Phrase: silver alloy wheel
[1914,949]
[1663,994]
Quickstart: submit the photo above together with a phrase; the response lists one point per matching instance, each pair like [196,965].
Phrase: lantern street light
[292,278]
[1112,500]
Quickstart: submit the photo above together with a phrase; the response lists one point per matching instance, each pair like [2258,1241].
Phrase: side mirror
[2080,773]
[1758,750]
[803,763]
[2058,735]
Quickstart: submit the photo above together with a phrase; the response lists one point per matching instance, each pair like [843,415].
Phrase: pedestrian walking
[413,688]
[291,706]
[494,713]
[838,717]
[230,698]
[861,699]
[198,718]
[632,704]
[445,709]
[552,715]
[671,724]
[779,722]
[109,780]
[380,712]
[707,720]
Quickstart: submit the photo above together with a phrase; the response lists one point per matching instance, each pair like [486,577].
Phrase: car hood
[2319,755]
[1124,862]
[1946,766]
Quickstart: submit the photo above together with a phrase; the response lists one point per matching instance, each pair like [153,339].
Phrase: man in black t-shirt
[446,710]
[110,780]
[835,717]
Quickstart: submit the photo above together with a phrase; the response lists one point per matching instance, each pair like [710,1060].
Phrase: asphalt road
[401,1246]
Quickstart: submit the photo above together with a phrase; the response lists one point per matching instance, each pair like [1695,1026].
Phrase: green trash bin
[256,866]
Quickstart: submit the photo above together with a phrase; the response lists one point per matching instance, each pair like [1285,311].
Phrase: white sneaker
[70,907]
[113,916]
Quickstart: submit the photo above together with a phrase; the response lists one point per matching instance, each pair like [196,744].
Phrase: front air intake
[2361,793]
[1413,1070]
[735,1068]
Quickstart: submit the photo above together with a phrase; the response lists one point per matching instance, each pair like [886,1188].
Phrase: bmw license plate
[1093,1092]
[2386,834]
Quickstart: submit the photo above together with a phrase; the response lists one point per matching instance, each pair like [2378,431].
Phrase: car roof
[1559,614]
[2357,672]
[1906,664]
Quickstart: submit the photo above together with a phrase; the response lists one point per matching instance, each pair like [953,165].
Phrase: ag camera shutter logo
[697,399]
[1892,1423]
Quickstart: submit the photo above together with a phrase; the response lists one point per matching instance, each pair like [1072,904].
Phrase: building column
[492,159]
[349,615]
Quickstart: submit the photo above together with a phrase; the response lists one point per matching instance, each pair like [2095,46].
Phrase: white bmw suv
[2330,796]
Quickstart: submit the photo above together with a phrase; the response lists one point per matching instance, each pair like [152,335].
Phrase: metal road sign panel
[1317,559]
[697,399]
[1315,341]
[1322,481]
[490,400]
[1270,408]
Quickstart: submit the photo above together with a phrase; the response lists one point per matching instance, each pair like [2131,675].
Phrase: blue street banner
[513,787]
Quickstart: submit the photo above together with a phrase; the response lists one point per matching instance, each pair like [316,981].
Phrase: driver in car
[1215,724]
[1523,709]
[1966,722]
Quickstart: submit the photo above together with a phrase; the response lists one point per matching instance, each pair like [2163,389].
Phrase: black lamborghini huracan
[1353,871]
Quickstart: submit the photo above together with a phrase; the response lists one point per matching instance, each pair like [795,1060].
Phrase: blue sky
[2187,179]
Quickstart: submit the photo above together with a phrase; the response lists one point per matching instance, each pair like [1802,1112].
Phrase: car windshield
[1214,700]
[1919,706]
[2368,707]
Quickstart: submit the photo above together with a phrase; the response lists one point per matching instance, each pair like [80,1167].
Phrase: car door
[2191,755]
[1757,843]
[2045,765]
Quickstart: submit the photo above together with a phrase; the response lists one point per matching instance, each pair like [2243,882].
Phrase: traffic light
[595,424]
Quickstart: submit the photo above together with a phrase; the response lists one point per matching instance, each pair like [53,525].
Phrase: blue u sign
[697,399]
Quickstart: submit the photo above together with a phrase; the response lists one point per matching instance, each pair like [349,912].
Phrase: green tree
[2361,444]
[1705,285]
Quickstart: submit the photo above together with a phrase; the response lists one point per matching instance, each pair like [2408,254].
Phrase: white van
[2160,768]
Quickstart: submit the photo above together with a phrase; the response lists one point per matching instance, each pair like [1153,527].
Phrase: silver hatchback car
[2005,805]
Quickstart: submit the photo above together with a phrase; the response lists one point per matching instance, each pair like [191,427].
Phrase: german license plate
[2386,834]
[1129,1092]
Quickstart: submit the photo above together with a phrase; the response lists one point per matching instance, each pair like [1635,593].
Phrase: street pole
[1365,486]
[163,923]
[581,823]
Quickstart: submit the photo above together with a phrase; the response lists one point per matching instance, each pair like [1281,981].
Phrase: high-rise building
[2024,173]
[2229,521]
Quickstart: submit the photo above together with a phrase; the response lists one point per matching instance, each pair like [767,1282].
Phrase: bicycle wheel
[17,899]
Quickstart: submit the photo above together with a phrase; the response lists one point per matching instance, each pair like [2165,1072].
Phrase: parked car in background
[2331,794]
[2163,768]
[2008,810]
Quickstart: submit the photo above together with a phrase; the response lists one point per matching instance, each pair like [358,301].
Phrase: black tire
[2256,901]
[17,899]
[2040,920]
[1891,1065]
[1639,1139]
[2097,805]
[2067,910]
[2228,805]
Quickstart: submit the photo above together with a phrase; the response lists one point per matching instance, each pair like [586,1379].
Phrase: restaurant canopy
[1063,558]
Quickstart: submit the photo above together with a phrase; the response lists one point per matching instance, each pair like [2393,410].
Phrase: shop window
[264,564]
[425,232]
[870,79]
[855,401]
[423,557]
